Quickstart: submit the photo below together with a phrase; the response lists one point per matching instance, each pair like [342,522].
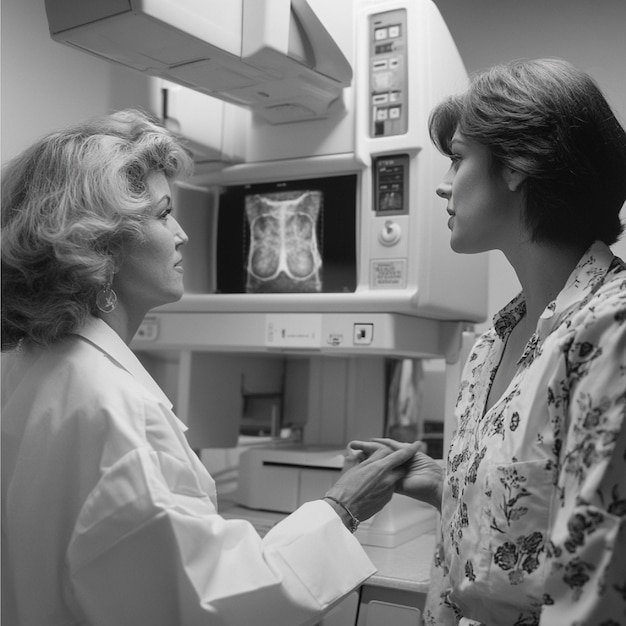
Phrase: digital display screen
[288,237]
[390,184]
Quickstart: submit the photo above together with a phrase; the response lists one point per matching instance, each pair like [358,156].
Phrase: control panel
[388,73]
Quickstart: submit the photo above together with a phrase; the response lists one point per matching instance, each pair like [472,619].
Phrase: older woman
[533,502]
[108,517]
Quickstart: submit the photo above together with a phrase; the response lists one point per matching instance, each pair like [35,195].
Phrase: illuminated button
[394,113]
[394,31]
[381,115]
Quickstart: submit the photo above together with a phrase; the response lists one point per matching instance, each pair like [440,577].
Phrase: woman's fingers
[395,445]
[392,456]
[382,446]
[403,454]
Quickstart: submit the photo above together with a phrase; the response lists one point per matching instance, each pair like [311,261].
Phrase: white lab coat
[109,518]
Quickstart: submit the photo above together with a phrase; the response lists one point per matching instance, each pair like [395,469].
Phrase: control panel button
[390,234]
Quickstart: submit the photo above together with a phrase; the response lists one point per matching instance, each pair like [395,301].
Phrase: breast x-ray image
[284,256]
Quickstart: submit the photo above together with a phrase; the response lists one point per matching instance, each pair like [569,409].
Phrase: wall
[47,85]
[588,33]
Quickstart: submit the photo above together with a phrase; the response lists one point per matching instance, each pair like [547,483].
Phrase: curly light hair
[68,203]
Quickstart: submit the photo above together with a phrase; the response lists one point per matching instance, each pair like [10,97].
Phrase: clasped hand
[423,476]
[375,469]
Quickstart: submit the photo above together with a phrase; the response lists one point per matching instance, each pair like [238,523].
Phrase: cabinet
[397,607]
[376,606]
[344,614]
[396,594]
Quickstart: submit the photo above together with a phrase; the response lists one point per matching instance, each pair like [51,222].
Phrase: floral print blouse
[533,527]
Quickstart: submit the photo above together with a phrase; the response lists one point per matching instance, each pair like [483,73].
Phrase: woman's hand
[424,476]
[365,487]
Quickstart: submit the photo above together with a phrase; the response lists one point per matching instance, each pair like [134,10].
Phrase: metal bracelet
[354,521]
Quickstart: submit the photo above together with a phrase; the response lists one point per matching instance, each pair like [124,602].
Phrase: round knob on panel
[390,234]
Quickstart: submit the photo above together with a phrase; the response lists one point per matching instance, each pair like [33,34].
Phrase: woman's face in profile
[482,213]
[150,272]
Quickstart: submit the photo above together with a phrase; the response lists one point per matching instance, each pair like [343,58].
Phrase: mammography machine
[318,249]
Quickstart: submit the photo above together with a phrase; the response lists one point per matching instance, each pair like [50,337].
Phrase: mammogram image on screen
[284,255]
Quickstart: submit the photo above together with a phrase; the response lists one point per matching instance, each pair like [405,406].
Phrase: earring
[106,299]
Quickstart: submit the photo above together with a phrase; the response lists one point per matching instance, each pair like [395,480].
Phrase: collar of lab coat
[104,338]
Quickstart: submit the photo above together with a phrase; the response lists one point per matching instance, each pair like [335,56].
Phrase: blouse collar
[585,279]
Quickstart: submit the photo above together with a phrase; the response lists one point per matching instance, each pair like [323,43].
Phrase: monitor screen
[288,237]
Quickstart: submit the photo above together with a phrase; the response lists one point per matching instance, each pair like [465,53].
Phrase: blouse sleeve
[150,548]
[586,551]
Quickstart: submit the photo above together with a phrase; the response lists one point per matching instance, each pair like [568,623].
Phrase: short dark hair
[548,120]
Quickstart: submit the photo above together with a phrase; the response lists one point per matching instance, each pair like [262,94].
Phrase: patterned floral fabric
[534,507]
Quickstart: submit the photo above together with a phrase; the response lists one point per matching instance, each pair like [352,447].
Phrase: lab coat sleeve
[150,548]
[586,550]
